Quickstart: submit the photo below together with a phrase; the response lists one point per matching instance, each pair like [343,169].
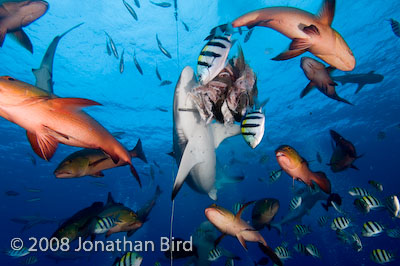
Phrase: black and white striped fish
[129,259]
[252,127]
[214,254]
[357,245]
[229,262]
[105,224]
[340,223]
[372,202]
[275,175]
[282,253]
[358,192]
[371,229]
[313,251]
[393,233]
[395,27]
[301,230]
[376,185]
[361,205]
[295,203]
[237,207]
[18,253]
[213,56]
[393,206]
[382,256]
[300,248]
[323,220]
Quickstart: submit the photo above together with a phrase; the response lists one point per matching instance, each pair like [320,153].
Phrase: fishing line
[172,215]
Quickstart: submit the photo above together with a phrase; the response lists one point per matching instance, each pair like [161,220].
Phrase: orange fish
[296,167]
[50,120]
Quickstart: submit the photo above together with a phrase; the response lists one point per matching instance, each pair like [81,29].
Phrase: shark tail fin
[138,151]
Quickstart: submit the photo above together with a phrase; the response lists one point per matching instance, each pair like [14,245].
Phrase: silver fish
[162,4]
[185,26]
[162,49]
[121,62]
[137,63]
[165,82]
[158,73]
[112,44]
[130,9]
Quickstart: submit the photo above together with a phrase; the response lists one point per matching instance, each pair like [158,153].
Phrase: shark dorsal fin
[110,199]
[239,213]
[327,12]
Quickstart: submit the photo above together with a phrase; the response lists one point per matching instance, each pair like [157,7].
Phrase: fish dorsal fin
[221,132]
[71,104]
[239,213]
[327,12]
[110,199]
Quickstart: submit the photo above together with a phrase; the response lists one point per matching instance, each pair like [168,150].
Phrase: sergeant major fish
[129,259]
[371,229]
[382,256]
[252,127]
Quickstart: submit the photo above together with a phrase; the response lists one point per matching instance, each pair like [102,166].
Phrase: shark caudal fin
[138,151]
[322,181]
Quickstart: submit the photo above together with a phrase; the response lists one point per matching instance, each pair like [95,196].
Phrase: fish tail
[138,151]
[322,181]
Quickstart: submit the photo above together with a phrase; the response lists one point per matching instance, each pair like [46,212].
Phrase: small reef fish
[295,203]
[360,79]
[18,253]
[296,167]
[248,35]
[282,253]
[323,220]
[129,259]
[300,248]
[344,153]
[359,192]
[378,186]
[393,206]
[212,58]
[16,15]
[130,10]
[372,229]
[161,47]
[308,33]
[185,26]
[214,254]
[340,223]
[319,78]
[158,73]
[395,27]
[275,175]
[105,224]
[313,251]
[382,256]
[301,230]
[161,4]
[112,45]
[137,63]
[252,127]
[263,212]
[393,233]
[165,83]
[230,224]
[372,202]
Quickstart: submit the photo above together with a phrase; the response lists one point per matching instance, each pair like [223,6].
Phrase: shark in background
[44,74]
[309,198]
[360,79]
[195,141]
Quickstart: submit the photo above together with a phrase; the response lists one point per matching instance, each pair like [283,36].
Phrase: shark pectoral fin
[189,159]
[327,12]
[267,250]
[307,89]
[213,194]
[221,132]
[360,86]
[21,37]
[98,174]
[288,55]
[44,145]
[219,239]
[340,99]
[92,164]
[242,241]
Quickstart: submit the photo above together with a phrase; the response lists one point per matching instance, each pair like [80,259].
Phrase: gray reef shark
[16,15]
[44,74]
[309,199]
[195,141]
[360,79]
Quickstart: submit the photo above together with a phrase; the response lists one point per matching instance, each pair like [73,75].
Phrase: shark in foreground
[195,141]
[309,32]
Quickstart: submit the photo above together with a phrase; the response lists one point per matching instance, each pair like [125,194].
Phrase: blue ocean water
[131,103]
